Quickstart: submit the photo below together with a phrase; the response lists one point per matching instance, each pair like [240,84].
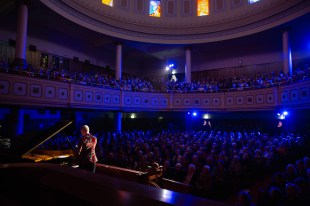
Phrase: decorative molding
[78,95]
[128,100]
[137,100]
[259,99]
[21,90]
[88,96]
[294,95]
[63,93]
[230,100]
[206,101]
[50,92]
[98,97]
[4,87]
[116,99]
[107,98]
[36,90]
[132,25]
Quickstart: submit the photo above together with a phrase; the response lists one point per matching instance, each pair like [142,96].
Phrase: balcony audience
[139,83]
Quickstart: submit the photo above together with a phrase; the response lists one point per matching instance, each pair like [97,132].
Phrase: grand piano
[30,176]
[25,147]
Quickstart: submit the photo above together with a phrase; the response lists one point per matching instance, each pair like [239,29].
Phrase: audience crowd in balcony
[259,80]
[140,83]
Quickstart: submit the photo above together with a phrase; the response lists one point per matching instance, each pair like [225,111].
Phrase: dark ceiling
[44,23]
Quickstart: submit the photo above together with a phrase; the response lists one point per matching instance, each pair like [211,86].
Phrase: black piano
[30,176]
[25,147]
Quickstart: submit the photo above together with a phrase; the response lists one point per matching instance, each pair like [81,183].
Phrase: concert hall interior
[188,102]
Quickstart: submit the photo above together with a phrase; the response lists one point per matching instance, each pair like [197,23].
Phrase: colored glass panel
[108,2]
[155,8]
[202,7]
[253,1]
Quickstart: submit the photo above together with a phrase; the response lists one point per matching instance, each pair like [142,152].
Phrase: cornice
[179,30]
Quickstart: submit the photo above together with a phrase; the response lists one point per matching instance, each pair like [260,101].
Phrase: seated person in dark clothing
[178,174]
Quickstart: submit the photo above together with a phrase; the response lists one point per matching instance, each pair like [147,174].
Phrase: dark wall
[103,121]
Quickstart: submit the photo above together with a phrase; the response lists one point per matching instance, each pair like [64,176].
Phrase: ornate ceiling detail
[130,24]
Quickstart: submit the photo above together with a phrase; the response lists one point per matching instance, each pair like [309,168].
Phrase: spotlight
[188,113]
[195,114]
[278,114]
[167,68]
[133,116]
[285,113]
[205,116]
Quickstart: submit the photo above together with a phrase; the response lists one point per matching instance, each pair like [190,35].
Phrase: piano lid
[27,142]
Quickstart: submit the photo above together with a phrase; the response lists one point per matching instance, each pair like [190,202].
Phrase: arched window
[202,7]
[154,8]
[108,2]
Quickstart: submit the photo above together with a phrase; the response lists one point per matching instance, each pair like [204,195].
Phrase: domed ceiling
[179,23]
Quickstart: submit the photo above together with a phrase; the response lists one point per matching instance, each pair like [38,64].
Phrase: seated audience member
[245,199]
[191,175]
[300,169]
[290,173]
[203,185]
[291,195]
[178,173]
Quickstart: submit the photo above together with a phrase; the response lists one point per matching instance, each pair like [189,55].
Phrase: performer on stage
[86,155]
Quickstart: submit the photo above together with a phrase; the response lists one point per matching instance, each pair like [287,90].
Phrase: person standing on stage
[86,155]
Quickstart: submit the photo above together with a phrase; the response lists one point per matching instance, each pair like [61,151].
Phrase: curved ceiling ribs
[179,30]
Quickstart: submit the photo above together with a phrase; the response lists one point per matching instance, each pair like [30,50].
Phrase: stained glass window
[253,1]
[155,8]
[108,2]
[202,7]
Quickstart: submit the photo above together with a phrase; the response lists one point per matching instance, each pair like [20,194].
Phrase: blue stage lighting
[285,113]
[194,114]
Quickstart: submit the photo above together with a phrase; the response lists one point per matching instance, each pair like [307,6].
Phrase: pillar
[188,69]
[118,121]
[287,53]
[21,35]
[118,72]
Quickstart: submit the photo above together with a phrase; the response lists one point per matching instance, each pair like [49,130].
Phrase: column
[118,121]
[118,72]
[287,53]
[21,35]
[188,69]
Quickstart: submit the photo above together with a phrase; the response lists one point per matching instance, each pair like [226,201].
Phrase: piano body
[25,147]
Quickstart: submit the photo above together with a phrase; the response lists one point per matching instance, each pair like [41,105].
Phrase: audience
[287,187]
[213,163]
[139,83]
[228,84]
